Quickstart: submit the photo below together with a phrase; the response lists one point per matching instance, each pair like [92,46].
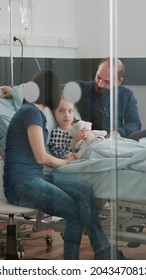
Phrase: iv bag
[24,16]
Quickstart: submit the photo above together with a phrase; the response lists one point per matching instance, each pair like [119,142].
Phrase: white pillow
[51,122]
[77,114]
[17,93]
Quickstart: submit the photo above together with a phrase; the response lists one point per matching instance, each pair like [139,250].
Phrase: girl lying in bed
[64,139]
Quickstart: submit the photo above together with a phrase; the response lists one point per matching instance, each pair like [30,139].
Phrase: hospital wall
[70,36]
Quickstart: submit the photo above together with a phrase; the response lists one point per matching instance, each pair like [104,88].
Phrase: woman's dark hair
[50,88]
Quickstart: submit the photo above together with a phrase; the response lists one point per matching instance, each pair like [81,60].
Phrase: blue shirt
[94,106]
[20,163]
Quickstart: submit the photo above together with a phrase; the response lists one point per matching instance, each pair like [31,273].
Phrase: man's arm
[132,122]
[5,92]
[15,92]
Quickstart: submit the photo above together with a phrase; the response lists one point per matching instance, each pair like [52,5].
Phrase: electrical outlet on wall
[16,42]
[21,38]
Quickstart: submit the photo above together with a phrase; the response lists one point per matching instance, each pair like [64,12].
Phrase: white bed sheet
[122,176]
[128,185]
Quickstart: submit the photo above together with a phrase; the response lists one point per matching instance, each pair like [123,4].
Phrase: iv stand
[11,43]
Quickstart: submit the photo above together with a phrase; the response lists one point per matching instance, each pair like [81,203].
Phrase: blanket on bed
[109,154]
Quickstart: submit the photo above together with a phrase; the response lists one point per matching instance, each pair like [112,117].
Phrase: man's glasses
[107,82]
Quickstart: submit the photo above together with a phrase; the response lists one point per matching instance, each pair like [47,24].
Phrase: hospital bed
[116,170]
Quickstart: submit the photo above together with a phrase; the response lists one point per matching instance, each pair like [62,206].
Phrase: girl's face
[64,114]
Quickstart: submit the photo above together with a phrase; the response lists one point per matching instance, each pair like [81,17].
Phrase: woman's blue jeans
[67,197]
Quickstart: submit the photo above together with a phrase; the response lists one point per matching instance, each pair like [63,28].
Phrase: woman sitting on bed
[25,183]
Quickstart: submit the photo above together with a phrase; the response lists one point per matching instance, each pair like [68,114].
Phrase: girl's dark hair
[50,88]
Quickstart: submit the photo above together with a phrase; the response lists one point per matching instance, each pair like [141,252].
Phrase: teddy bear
[94,135]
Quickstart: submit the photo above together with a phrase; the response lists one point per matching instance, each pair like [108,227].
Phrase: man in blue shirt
[94,104]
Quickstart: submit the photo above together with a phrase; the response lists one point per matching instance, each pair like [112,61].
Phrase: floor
[38,247]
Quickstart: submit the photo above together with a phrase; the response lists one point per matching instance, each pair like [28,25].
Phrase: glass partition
[71,38]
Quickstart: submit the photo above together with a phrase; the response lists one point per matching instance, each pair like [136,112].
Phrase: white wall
[51,28]
[131,28]
[75,28]
[93,28]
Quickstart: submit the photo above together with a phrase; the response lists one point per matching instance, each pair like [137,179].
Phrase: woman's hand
[36,140]
[71,156]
